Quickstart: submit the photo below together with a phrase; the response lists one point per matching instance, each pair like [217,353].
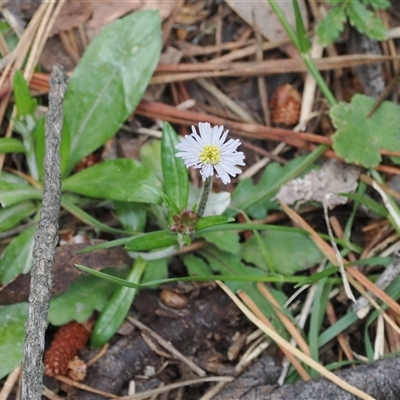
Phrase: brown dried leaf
[72,14]
[267,22]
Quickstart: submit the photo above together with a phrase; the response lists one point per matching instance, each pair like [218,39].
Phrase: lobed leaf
[365,21]
[330,28]
[358,138]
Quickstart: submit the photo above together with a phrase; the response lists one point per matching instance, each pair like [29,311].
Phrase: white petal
[195,136]
[231,145]
[222,140]
[192,142]
[205,132]
[222,174]
[207,171]
[233,159]
[216,134]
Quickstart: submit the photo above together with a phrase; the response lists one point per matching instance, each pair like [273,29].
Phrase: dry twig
[45,241]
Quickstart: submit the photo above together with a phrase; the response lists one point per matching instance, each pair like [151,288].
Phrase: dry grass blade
[9,383]
[258,313]
[379,293]
[296,335]
[365,294]
[331,315]
[296,352]
[329,253]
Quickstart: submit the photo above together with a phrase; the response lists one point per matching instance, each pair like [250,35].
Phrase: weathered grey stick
[45,241]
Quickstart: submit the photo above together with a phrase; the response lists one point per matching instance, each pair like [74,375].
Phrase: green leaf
[373,205]
[133,216]
[226,241]
[67,202]
[172,207]
[14,193]
[16,258]
[83,296]
[11,145]
[156,270]
[152,241]
[330,28]
[150,155]
[289,252]
[176,182]
[120,179]
[23,100]
[247,275]
[110,80]
[378,4]
[12,334]
[317,315]
[11,216]
[301,31]
[117,308]
[196,265]
[365,21]
[12,178]
[106,245]
[9,34]
[213,220]
[343,323]
[38,136]
[358,138]
[309,280]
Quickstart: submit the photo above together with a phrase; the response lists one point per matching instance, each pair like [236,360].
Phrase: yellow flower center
[210,154]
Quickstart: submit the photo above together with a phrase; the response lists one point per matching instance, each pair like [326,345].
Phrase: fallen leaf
[266,20]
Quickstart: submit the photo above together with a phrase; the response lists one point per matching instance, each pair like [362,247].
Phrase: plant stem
[207,186]
[305,56]
[312,69]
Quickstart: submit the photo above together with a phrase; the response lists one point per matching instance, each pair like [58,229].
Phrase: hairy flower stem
[207,186]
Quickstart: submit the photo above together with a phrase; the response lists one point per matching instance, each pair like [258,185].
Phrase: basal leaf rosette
[359,138]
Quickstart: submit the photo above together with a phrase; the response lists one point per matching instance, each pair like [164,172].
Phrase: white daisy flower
[208,152]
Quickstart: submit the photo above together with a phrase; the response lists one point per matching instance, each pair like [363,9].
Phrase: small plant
[360,16]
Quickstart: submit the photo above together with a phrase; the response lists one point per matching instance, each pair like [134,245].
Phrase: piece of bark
[128,356]
[46,238]
[379,379]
